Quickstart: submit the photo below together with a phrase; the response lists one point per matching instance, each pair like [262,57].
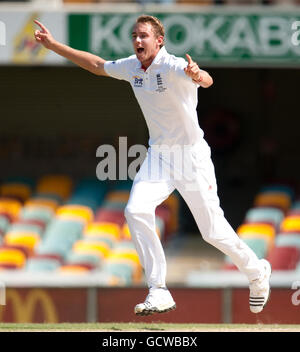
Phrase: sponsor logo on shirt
[160,86]
[138,81]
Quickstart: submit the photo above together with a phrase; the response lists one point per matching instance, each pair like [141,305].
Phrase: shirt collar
[162,52]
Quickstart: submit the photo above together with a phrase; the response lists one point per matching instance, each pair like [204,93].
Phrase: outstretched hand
[43,36]
[192,70]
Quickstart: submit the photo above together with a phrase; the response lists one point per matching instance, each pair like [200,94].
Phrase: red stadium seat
[165,214]
[229,266]
[284,258]
[114,216]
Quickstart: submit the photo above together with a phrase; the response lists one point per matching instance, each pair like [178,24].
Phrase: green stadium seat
[122,271]
[77,258]
[41,264]
[265,214]
[287,240]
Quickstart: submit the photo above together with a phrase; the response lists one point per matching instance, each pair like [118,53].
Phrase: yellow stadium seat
[24,239]
[101,249]
[257,230]
[275,199]
[12,256]
[118,196]
[60,185]
[19,190]
[10,206]
[76,212]
[126,254]
[290,223]
[97,228]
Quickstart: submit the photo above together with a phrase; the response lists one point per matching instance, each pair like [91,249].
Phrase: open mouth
[140,50]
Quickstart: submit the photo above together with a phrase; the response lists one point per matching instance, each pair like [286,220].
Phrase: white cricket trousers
[198,188]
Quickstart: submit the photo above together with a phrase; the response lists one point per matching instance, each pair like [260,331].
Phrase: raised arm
[88,61]
[198,76]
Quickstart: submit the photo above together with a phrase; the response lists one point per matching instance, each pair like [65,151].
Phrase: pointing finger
[189,59]
[41,25]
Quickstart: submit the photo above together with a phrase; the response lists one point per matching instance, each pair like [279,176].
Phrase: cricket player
[166,88]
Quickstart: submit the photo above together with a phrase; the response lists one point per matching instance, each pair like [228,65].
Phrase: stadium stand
[272,228]
[65,227]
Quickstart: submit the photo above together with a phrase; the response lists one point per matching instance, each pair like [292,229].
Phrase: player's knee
[131,212]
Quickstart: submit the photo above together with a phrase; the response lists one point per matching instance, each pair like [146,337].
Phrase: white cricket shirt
[167,97]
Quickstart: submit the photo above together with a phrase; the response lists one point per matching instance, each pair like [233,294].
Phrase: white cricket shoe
[260,289]
[159,300]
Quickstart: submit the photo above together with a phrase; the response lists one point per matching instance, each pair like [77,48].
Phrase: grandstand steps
[188,252]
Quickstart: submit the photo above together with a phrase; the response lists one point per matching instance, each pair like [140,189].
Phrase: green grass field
[140,327]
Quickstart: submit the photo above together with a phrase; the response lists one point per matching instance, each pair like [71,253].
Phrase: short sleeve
[118,69]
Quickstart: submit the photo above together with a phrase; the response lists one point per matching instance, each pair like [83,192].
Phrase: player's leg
[203,201]
[145,196]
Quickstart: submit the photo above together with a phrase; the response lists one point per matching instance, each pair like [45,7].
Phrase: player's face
[146,44]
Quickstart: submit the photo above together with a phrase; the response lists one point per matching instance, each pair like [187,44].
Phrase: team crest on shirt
[138,81]
[160,85]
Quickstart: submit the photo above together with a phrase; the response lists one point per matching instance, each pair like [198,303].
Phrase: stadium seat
[113,205]
[265,214]
[121,273]
[290,223]
[60,236]
[258,230]
[277,199]
[4,224]
[17,190]
[88,192]
[37,264]
[11,207]
[37,213]
[164,214]
[113,216]
[13,256]
[75,212]
[103,228]
[118,196]
[99,248]
[84,258]
[24,227]
[38,225]
[284,258]
[60,185]
[258,245]
[28,240]
[282,188]
[124,253]
[287,240]
[43,202]
[296,205]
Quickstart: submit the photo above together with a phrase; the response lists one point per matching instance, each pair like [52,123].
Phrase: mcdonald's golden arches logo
[23,308]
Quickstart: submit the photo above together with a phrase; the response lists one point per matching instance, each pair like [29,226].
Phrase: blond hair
[158,27]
